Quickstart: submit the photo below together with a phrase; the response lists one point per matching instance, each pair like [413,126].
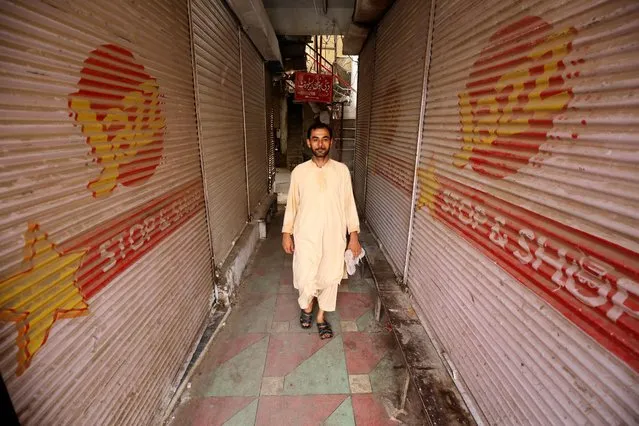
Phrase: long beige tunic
[320,210]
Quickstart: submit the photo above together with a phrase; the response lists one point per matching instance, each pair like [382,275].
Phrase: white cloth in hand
[351,262]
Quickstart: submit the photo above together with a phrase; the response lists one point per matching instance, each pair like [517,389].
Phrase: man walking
[320,210]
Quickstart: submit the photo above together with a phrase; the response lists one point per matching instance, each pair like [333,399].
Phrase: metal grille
[525,258]
[105,276]
[255,119]
[401,39]
[217,57]
[364,97]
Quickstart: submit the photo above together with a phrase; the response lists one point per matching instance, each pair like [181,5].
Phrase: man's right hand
[287,243]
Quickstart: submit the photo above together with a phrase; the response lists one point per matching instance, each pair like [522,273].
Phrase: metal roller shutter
[401,39]
[105,276]
[270,127]
[363,120]
[219,91]
[525,258]
[254,122]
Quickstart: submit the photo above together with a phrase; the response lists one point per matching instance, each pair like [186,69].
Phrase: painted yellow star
[43,293]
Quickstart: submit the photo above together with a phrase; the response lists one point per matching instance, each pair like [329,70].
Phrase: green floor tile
[323,373]
[242,374]
[255,318]
[269,282]
[385,377]
[343,416]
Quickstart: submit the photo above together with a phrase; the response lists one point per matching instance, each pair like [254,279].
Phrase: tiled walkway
[264,369]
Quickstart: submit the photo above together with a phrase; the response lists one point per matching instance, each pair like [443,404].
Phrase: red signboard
[311,87]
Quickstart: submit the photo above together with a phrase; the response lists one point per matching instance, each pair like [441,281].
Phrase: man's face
[320,142]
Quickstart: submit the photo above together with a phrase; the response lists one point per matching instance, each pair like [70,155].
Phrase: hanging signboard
[311,87]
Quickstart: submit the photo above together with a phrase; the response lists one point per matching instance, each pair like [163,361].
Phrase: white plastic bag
[351,263]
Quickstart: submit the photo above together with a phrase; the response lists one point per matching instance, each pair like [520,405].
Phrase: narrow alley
[484,153]
[264,369]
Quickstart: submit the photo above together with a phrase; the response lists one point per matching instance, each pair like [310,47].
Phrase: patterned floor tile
[212,411]
[322,373]
[245,417]
[343,416]
[235,345]
[265,369]
[297,410]
[287,351]
[242,374]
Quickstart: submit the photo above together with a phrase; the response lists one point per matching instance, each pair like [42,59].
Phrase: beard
[320,153]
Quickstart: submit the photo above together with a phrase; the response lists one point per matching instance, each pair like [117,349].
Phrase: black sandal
[325,330]
[306,319]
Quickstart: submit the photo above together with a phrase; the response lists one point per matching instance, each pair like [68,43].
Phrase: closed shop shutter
[105,273]
[399,66]
[270,127]
[366,69]
[219,91]
[525,257]
[255,122]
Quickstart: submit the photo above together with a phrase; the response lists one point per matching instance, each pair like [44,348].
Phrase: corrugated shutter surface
[255,116]
[529,162]
[364,97]
[401,39]
[105,261]
[217,56]
[270,127]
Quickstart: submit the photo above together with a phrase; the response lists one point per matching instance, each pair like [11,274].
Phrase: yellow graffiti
[429,188]
[43,293]
[119,136]
[517,100]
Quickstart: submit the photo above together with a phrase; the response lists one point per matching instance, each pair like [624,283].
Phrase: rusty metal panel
[363,120]
[255,122]
[395,105]
[525,257]
[105,273]
[219,91]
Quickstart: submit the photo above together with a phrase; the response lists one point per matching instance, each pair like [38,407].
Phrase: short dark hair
[319,125]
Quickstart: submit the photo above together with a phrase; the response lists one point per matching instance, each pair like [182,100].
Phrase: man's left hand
[354,245]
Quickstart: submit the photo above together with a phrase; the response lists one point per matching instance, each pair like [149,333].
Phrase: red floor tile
[214,411]
[296,410]
[369,411]
[364,350]
[286,307]
[353,305]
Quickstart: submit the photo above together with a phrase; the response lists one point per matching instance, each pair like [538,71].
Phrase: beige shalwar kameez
[320,210]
